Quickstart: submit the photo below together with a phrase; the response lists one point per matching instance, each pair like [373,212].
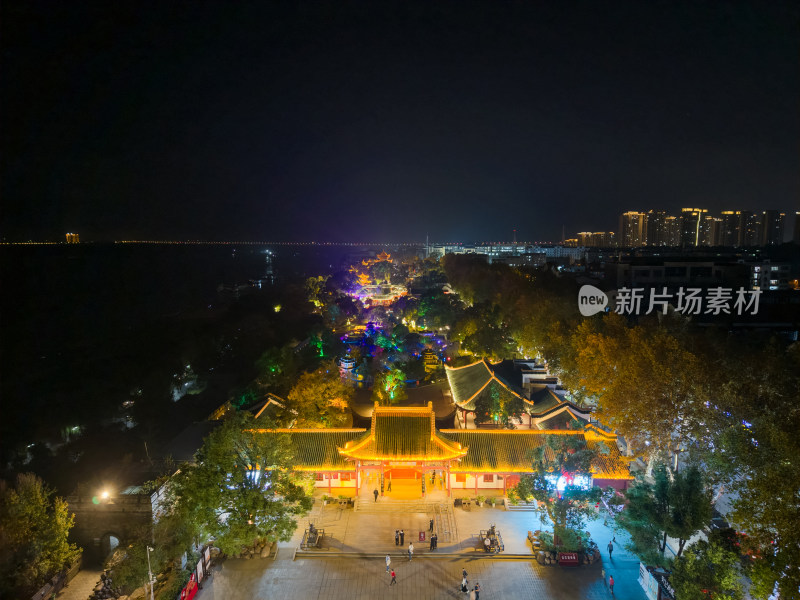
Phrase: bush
[175,583]
[513,496]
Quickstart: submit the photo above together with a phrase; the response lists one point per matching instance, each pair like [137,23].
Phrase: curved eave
[467,404]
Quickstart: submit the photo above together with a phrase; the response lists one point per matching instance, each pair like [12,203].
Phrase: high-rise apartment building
[751,236]
[596,239]
[657,234]
[772,227]
[732,228]
[693,224]
[711,231]
[633,229]
[797,227]
[673,228]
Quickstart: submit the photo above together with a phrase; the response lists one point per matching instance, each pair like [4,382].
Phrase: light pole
[150,572]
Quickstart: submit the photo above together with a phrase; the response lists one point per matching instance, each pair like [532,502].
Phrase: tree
[321,398]
[674,505]
[759,454]
[709,569]
[562,456]
[241,488]
[498,407]
[389,387]
[34,526]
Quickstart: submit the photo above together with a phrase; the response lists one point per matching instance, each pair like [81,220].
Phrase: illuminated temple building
[403,445]
[522,382]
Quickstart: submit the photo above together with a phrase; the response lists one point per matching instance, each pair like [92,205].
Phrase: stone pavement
[351,563]
[82,585]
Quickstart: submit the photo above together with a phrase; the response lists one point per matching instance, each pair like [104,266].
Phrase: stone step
[396,506]
[521,506]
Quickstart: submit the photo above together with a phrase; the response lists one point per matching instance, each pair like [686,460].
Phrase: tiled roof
[544,399]
[407,434]
[510,451]
[318,449]
[470,382]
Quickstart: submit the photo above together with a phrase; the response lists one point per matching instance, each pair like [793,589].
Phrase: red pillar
[475,475]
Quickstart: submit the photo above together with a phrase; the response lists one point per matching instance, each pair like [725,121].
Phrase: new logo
[591,300]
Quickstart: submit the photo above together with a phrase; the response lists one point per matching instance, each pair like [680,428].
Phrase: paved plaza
[351,564]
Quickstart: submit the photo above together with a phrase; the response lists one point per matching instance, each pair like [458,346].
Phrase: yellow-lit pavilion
[403,445]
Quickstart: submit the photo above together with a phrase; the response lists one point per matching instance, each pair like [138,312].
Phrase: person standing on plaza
[430,527]
[388,562]
[375,493]
[611,584]
[477,591]
[433,541]
[464,584]
[402,538]
[410,550]
[389,488]
[610,549]
[472,595]
[396,537]
[394,580]
[464,573]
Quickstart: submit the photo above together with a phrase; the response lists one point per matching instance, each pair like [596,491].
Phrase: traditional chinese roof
[410,435]
[470,382]
[481,378]
[510,451]
[318,449]
[403,434]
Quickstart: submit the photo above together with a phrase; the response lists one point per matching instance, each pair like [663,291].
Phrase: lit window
[461,478]
[488,479]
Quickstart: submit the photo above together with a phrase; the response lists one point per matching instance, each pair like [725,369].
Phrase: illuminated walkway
[351,563]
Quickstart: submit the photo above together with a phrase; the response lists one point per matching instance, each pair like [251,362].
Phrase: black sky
[387,121]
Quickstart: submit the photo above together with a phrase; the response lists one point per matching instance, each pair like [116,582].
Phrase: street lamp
[150,572]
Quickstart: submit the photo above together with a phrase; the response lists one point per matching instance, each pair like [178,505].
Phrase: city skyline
[389,122]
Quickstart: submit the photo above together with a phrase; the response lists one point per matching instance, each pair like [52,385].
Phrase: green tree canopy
[709,569]
[241,488]
[34,525]
[321,398]
[389,387]
[673,505]
[567,456]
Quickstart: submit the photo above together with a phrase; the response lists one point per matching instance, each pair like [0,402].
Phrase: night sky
[388,121]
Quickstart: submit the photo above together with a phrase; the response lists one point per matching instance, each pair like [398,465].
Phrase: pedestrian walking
[396,537]
[375,493]
[464,584]
[610,549]
[394,580]
[603,575]
[472,595]
[410,550]
[477,591]
[611,583]
[388,562]
[430,527]
[402,538]
[389,488]
[464,573]
[433,541]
